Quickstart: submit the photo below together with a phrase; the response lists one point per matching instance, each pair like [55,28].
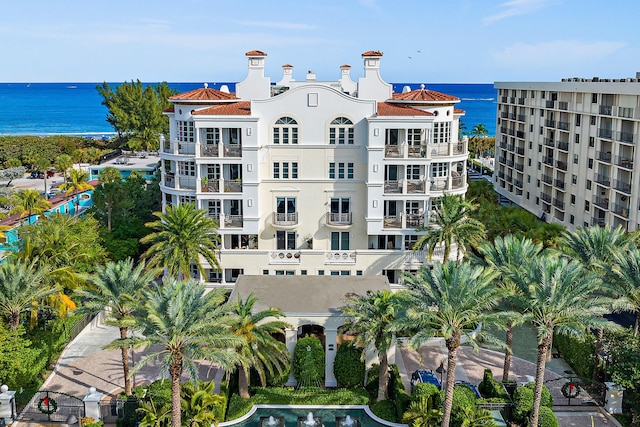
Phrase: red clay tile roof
[242,108]
[424,95]
[387,109]
[203,94]
[169,110]
[287,66]
[255,53]
[345,66]
[459,111]
[372,53]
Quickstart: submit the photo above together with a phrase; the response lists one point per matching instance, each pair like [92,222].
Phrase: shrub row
[577,352]
[523,404]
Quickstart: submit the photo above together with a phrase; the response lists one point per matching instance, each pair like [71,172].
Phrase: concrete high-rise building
[310,177]
[566,151]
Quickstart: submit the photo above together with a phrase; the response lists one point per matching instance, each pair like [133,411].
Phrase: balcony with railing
[188,148]
[561,165]
[601,202]
[563,105]
[563,125]
[518,183]
[558,204]
[211,186]
[547,179]
[625,137]
[624,162]
[231,221]
[622,186]
[414,220]
[232,186]
[598,221]
[340,257]
[187,182]
[564,146]
[604,156]
[416,186]
[520,150]
[285,220]
[392,221]
[209,150]
[393,151]
[549,142]
[393,187]
[284,256]
[549,104]
[602,180]
[521,117]
[559,183]
[605,110]
[546,197]
[232,150]
[339,219]
[547,160]
[520,101]
[605,133]
[519,167]
[170,179]
[550,123]
[621,210]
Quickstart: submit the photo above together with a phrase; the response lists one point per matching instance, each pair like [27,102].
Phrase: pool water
[291,413]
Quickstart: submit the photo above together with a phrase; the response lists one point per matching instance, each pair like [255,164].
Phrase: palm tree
[508,254]
[260,349]
[198,404]
[370,318]
[477,132]
[43,165]
[626,273]
[451,224]
[76,183]
[181,236]
[422,413]
[29,202]
[187,325]
[558,296]
[21,284]
[450,301]
[116,287]
[62,163]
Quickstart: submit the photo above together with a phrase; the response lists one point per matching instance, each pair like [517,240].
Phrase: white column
[92,404]
[331,347]
[7,404]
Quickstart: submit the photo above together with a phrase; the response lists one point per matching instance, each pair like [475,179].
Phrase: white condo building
[312,177]
[566,151]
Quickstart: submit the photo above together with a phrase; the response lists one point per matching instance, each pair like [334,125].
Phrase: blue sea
[76,109]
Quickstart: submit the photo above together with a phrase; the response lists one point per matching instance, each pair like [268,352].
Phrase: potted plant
[204,181]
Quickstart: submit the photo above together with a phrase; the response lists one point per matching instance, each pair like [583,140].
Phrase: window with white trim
[439,170]
[186,199]
[441,132]
[340,241]
[341,170]
[413,172]
[414,136]
[410,241]
[285,170]
[285,131]
[187,168]
[341,131]
[212,136]
[185,131]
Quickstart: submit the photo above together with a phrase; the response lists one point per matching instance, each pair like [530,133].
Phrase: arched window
[285,131]
[341,131]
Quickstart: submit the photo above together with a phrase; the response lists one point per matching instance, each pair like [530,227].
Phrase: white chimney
[255,85]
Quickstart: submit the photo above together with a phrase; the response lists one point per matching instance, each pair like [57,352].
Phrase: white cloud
[279,25]
[514,8]
[556,54]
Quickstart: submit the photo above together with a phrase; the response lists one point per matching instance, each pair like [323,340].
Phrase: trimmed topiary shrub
[546,399]
[396,391]
[523,402]
[464,401]
[303,369]
[490,388]
[424,389]
[547,418]
[385,409]
[348,366]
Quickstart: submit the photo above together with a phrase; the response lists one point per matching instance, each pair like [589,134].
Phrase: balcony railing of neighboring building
[209,150]
[549,104]
[340,257]
[625,112]
[520,150]
[563,105]
[558,204]
[605,133]
[414,220]
[605,110]
[601,202]
[232,150]
[392,221]
[602,180]
[393,187]
[504,115]
[550,123]
[518,183]
[622,186]
[438,184]
[604,156]
[561,165]
[521,117]
[187,148]
[338,218]
[286,219]
[510,147]
[563,125]
[549,142]
[438,150]
[621,210]
[519,167]
[598,221]
[170,180]
[211,186]
[547,179]
[559,183]
[547,160]
[509,178]
[419,151]
[416,186]
[232,186]
[510,163]
[546,197]
[231,221]
[626,137]
[284,256]
[520,101]
[187,182]
[393,151]
[564,146]
[624,162]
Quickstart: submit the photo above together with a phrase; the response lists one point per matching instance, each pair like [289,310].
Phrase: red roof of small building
[458,111]
[287,66]
[424,95]
[203,94]
[255,53]
[242,108]
[345,66]
[372,53]
[387,109]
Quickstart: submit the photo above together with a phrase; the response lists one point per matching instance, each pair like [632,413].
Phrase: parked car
[471,386]
[40,174]
[424,376]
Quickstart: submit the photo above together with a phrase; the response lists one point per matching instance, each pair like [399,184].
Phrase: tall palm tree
[508,254]
[450,301]
[181,236]
[62,163]
[626,275]
[370,318]
[21,284]
[595,248]
[76,183]
[29,202]
[187,325]
[558,296]
[116,287]
[260,349]
[478,132]
[450,223]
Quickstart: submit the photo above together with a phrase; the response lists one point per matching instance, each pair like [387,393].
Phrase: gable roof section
[204,94]
[242,108]
[424,95]
[387,109]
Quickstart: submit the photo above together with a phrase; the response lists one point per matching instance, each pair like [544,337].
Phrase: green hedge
[523,401]
[578,353]
[396,392]
[348,366]
[424,389]
[290,396]
[547,418]
[385,409]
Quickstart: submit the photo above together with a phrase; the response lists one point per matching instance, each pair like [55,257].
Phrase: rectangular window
[409,241]
[594,98]
[340,170]
[575,159]
[285,170]
[276,135]
[344,170]
[358,272]
[441,132]
[573,199]
[265,272]
[187,168]
[586,205]
[320,272]
[340,241]
[592,141]
[439,170]
[571,219]
[294,170]
[276,170]
[574,179]
[349,170]
[588,185]
[185,131]
[577,138]
[332,170]
[303,272]
[578,119]
[590,163]
[593,120]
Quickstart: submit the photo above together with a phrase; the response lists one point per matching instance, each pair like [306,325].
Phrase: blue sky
[463,41]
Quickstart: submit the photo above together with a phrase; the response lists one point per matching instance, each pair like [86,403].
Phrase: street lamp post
[441,371]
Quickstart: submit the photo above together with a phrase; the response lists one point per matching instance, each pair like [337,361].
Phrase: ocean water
[76,109]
